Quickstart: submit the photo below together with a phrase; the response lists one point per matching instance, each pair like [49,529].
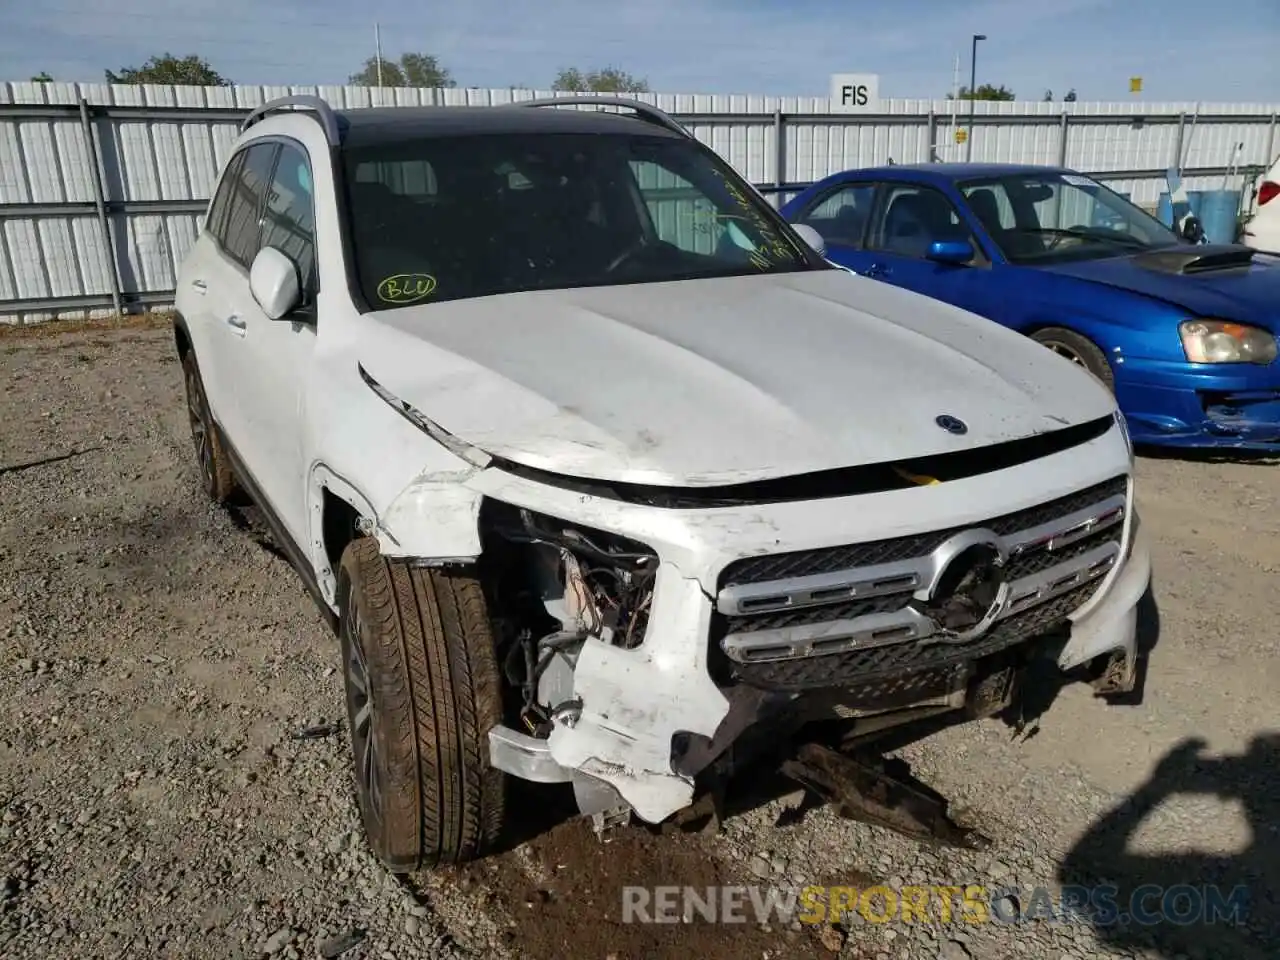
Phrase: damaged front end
[647,677]
[555,587]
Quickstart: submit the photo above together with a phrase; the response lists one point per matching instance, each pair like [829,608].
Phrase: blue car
[1183,332]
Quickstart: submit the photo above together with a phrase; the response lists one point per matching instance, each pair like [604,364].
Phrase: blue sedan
[1184,333]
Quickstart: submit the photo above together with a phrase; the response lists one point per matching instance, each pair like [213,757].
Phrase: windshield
[1053,217]
[452,217]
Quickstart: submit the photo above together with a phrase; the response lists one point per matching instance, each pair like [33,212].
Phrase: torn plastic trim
[473,455]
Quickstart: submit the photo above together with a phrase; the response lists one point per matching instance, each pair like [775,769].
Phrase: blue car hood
[1248,294]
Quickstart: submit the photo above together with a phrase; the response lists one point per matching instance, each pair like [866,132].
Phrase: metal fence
[101,186]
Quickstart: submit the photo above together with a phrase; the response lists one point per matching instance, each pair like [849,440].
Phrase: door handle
[876,270]
[199,286]
[237,324]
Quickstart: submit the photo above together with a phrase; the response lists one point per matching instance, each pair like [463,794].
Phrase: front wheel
[423,693]
[1079,350]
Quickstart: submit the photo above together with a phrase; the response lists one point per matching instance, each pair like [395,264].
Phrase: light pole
[973,79]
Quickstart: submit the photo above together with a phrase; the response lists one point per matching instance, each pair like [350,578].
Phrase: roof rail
[643,110]
[323,112]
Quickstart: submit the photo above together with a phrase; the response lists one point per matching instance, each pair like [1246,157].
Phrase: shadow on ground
[1213,905]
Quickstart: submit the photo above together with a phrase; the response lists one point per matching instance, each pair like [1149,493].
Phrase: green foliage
[607,80]
[411,70]
[167,68]
[987,92]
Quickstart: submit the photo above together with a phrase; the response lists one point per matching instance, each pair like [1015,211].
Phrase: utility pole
[955,99]
[973,79]
[377,44]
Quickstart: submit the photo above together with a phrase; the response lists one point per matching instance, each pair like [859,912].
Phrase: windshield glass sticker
[406,288]
[1077,181]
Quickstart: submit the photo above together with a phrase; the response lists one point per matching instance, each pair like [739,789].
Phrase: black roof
[364,126]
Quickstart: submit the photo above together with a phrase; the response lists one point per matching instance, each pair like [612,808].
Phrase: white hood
[707,382]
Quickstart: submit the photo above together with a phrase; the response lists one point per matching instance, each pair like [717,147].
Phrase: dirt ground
[171,784]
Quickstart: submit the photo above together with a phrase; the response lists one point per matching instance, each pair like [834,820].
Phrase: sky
[758,47]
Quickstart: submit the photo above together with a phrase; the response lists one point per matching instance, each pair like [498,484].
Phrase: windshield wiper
[1103,237]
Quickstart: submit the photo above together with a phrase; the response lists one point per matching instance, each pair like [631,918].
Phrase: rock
[998,870]
[412,925]
[761,868]
[26,665]
[954,950]
[338,945]
[277,941]
[832,938]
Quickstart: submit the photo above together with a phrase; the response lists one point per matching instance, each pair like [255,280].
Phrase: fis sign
[855,92]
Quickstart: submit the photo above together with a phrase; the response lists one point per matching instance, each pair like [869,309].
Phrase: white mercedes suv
[598,469]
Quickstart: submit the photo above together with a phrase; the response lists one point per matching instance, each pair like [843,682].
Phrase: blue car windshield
[1058,217]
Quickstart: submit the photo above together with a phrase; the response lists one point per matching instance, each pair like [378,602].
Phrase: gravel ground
[171,783]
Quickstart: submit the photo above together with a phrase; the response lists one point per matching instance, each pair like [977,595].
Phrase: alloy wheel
[200,435]
[360,705]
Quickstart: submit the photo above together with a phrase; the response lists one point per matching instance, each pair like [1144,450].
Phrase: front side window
[1053,217]
[912,218]
[841,217]
[288,217]
[447,218]
[249,191]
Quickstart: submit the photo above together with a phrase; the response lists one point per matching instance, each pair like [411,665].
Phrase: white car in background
[1262,231]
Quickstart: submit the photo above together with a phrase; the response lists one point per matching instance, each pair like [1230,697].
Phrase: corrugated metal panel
[47,160]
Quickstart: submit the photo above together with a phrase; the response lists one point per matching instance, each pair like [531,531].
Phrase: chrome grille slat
[826,621]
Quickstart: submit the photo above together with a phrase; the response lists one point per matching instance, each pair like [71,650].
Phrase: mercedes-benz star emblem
[951,424]
[970,591]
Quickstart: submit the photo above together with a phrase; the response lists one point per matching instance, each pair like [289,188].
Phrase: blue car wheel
[1079,350]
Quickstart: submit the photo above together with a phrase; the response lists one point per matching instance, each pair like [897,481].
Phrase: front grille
[865,667]
[761,649]
[803,563]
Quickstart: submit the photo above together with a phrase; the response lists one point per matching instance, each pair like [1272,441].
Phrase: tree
[411,70]
[167,68]
[42,77]
[987,92]
[608,80]
[1070,97]
[1048,96]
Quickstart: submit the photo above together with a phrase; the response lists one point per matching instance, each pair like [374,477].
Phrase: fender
[435,519]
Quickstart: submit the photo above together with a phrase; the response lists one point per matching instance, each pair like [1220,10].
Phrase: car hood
[720,381]
[1247,295]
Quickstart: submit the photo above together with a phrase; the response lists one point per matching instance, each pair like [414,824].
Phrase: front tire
[423,692]
[1079,350]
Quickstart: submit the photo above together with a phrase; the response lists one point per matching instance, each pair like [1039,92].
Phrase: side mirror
[812,237]
[1192,229]
[951,251]
[273,281]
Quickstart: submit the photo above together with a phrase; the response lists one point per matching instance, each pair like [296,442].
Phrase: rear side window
[216,223]
[288,219]
[248,196]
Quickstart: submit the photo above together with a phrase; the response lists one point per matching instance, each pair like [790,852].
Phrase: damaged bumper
[870,608]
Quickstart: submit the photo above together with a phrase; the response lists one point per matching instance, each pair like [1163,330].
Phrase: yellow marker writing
[406,288]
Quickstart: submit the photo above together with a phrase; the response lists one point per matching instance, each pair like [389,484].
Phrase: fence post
[931,147]
[99,202]
[779,155]
[1176,162]
[1063,124]
[1271,145]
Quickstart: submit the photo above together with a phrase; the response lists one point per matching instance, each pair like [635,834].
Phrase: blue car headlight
[1221,341]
